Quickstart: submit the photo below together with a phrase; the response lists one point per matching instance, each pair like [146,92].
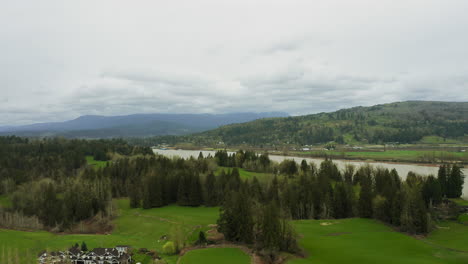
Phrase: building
[117,255]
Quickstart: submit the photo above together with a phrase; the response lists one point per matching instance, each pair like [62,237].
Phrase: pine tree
[211,192]
[269,226]
[195,193]
[84,247]
[442,178]
[455,182]
[365,198]
[183,190]
[235,220]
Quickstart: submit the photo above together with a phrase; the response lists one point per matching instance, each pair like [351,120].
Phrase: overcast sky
[60,60]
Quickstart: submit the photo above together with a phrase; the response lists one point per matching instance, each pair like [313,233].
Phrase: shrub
[169,248]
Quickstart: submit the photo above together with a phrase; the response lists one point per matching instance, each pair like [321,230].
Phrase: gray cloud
[60,60]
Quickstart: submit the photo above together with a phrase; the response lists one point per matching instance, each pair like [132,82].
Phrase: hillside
[403,122]
[137,125]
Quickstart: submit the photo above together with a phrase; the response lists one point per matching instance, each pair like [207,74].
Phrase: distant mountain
[137,125]
[402,122]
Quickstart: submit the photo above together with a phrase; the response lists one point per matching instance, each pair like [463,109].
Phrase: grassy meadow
[325,241]
[95,163]
[215,256]
[391,155]
[368,241]
[136,227]
[248,175]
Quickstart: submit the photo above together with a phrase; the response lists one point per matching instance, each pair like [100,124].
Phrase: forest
[55,192]
[401,122]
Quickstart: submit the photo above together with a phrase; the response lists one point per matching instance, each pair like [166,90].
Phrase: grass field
[437,140]
[96,163]
[215,256]
[366,241]
[460,201]
[396,155]
[451,235]
[135,227]
[245,175]
[463,218]
[326,241]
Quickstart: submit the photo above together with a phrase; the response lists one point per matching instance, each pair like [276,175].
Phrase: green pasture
[95,163]
[366,241]
[451,235]
[216,256]
[397,155]
[460,201]
[247,175]
[136,227]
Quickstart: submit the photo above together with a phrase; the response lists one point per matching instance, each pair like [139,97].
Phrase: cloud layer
[61,60]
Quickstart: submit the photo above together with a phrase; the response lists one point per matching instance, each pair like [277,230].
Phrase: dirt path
[254,258]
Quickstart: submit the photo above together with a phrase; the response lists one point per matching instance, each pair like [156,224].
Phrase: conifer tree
[442,178]
[211,191]
[455,182]
[84,247]
[195,193]
[365,198]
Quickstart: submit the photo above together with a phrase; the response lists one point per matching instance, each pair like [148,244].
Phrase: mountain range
[399,122]
[136,125]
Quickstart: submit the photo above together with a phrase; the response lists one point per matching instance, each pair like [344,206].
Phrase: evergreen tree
[365,198]
[84,247]
[211,198]
[455,182]
[432,191]
[236,220]
[195,193]
[442,178]
[269,226]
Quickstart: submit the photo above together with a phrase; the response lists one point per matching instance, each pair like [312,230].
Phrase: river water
[401,168]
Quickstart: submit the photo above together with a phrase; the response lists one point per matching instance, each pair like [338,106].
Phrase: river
[401,168]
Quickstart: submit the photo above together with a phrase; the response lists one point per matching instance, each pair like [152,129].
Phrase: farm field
[215,256]
[366,241]
[396,155]
[136,227]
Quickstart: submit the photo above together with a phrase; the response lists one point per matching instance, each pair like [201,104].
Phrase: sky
[63,59]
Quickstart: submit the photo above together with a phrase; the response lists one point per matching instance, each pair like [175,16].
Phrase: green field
[459,201]
[215,256]
[366,241]
[451,235]
[95,163]
[247,175]
[395,155]
[325,241]
[136,227]
[437,140]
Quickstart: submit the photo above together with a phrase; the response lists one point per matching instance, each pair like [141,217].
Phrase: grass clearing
[95,163]
[136,227]
[248,175]
[459,201]
[450,234]
[396,155]
[365,241]
[215,256]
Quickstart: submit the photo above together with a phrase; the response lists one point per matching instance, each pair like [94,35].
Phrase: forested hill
[137,125]
[402,122]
